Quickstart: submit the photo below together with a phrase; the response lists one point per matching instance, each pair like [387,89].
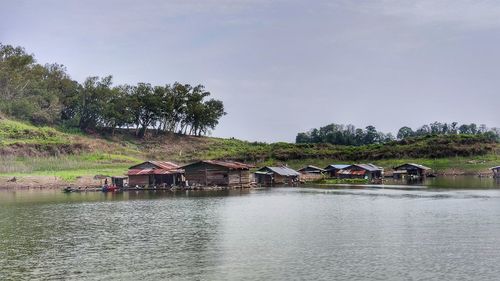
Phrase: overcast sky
[282,67]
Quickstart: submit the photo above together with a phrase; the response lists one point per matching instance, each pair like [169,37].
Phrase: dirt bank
[44,182]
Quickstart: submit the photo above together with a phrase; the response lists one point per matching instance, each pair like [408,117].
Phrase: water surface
[272,234]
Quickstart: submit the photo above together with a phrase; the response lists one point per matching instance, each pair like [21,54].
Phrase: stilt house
[411,170]
[361,171]
[332,169]
[218,173]
[311,172]
[276,175]
[155,173]
[496,171]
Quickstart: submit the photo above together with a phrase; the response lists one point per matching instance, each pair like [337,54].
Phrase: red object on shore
[110,188]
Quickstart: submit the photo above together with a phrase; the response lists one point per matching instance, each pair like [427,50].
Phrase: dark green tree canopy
[45,94]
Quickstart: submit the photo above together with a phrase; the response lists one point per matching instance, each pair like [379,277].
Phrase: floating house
[119,181]
[276,175]
[155,173]
[411,170]
[496,172]
[361,171]
[311,172]
[218,173]
[332,169]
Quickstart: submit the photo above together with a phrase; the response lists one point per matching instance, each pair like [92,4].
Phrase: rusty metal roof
[165,164]
[352,172]
[160,164]
[233,165]
[138,172]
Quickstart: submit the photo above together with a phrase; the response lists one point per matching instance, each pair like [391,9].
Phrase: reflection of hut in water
[276,175]
[311,172]
[411,170]
[496,172]
[333,169]
[361,171]
[155,173]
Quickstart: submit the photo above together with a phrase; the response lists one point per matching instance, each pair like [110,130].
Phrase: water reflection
[451,182]
[270,234]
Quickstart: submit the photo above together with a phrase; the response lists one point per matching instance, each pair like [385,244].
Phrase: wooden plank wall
[208,175]
[140,180]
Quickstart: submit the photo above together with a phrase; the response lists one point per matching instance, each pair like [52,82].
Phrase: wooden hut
[276,175]
[496,172]
[155,173]
[218,173]
[411,170]
[332,169]
[361,171]
[310,173]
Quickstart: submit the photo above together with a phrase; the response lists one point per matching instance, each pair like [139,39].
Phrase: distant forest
[350,135]
[46,95]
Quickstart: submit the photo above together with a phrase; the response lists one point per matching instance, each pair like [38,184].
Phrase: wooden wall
[311,176]
[208,175]
[140,180]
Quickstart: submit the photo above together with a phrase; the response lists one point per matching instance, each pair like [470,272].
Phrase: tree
[405,132]
[147,107]
[93,97]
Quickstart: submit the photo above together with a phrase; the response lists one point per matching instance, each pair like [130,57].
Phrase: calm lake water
[272,234]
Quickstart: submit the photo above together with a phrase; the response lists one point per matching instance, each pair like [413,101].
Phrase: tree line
[339,134]
[46,95]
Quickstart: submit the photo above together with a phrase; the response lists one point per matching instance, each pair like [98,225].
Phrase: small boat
[67,189]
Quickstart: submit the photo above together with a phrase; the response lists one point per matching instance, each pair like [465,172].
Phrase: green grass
[70,153]
[14,132]
[67,167]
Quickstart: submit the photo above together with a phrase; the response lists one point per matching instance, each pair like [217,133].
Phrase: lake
[269,234]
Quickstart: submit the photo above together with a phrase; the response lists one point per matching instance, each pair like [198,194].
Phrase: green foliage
[344,135]
[352,136]
[45,95]
[17,132]
[423,147]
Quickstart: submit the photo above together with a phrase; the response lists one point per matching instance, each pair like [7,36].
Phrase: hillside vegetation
[28,149]
[80,129]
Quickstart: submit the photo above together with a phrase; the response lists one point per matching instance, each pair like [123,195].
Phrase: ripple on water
[306,234]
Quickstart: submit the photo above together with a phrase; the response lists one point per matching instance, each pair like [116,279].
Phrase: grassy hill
[44,151]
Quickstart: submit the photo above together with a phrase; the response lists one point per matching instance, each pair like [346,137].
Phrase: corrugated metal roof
[138,172]
[282,171]
[160,164]
[311,167]
[352,172]
[165,164]
[369,167]
[415,165]
[336,167]
[233,165]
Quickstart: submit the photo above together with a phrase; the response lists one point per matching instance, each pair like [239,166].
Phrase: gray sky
[282,67]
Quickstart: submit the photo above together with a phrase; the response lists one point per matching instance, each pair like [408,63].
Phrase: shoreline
[36,182]
[42,182]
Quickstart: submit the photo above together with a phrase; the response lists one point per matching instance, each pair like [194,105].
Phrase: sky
[284,66]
